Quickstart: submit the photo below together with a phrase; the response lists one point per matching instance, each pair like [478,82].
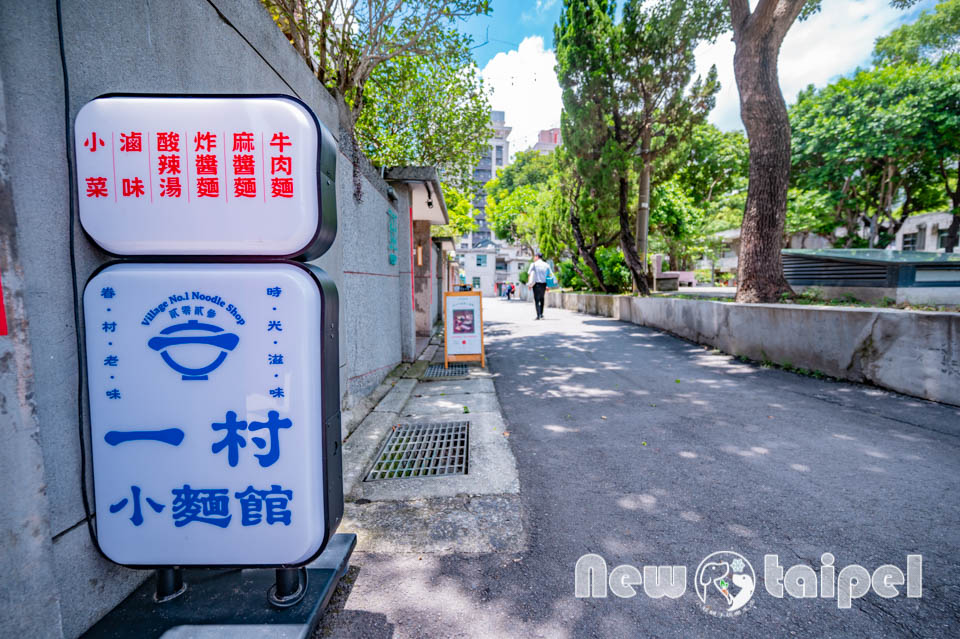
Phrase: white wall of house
[925,232]
[479,267]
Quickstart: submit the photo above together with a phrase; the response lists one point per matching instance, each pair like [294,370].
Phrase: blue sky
[514,50]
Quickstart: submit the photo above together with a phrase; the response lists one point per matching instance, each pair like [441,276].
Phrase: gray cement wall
[911,352]
[57,584]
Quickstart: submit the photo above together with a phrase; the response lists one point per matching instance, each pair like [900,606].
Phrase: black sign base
[228,601]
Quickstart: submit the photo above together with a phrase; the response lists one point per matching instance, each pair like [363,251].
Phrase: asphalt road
[649,450]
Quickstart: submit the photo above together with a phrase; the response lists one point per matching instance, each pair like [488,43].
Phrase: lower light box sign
[423,450]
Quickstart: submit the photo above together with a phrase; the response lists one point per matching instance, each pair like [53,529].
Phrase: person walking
[538,273]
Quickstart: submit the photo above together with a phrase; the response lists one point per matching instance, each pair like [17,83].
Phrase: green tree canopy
[460,211]
[875,142]
[423,111]
[931,37]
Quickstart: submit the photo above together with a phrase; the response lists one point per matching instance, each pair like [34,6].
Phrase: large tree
[658,40]
[344,41]
[930,37]
[422,111]
[627,93]
[758,34]
[882,144]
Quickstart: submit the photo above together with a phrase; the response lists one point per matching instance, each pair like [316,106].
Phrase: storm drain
[438,371]
[423,450]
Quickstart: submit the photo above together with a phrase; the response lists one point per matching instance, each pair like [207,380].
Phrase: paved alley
[649,450]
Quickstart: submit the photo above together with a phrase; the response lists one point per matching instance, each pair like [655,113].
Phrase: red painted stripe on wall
[3,312]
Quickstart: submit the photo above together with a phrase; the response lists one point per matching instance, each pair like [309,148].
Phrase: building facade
[497,158]
[480,268]
[548,140]
[927,232]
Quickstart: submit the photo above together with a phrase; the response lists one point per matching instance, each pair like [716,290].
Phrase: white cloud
[830,44]
[523,84]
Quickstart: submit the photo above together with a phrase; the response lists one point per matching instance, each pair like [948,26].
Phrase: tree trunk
[952,232]
[643,202]
[588,254]
[627,242]
[764,114]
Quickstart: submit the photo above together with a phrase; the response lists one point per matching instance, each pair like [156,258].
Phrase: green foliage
[460,211]
[931,37]
[876,143]
[523,276]
[627,92]
[529,168]
[512,215]
[423,111]
[710,163]
[614,269]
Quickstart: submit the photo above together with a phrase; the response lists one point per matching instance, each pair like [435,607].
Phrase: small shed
[870,275]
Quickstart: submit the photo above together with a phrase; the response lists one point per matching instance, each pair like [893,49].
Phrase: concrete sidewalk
[475,512]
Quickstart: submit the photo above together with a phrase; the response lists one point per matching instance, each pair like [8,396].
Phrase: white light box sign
[206,413]
[205,176]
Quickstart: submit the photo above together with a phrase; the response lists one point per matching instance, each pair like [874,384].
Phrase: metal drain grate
[455,370]
[423,450]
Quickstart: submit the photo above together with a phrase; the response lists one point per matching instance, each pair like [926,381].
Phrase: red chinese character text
[281,187]
[281,164]
[168,142]
[280,140]
[169,164]
[208,187]
[96,187]
[206,164]
[93,142]
[243,165]
[170,187]
[205,141]
[131,142]
[242,142]
[245,187]
[132,187]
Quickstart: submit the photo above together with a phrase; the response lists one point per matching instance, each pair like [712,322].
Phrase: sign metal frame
[467,357]
[326,231]
[332,463]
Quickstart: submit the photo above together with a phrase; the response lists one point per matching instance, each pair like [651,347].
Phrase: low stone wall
[912,352]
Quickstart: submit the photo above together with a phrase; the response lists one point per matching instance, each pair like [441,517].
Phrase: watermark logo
[725,583]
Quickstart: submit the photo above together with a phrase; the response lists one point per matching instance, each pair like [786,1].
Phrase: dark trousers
[539,290]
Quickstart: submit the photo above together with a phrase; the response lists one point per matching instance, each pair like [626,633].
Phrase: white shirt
[538,272]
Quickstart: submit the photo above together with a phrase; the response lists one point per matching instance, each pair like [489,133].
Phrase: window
[501,266]
[520,266]
[499,155]
[476,283]
[942,239]
[481,260]
[909,242]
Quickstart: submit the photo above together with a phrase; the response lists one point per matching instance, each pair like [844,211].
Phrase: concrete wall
[911,352]
[56,584]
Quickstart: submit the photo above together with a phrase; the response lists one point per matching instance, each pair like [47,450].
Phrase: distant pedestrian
[539,272]
[509,287]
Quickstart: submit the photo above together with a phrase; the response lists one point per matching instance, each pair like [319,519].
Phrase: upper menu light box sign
[243,176]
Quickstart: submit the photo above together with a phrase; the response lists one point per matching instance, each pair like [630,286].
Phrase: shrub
[523,276]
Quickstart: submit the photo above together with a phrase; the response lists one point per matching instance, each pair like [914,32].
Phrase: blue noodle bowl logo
[178,346]
[725,583]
